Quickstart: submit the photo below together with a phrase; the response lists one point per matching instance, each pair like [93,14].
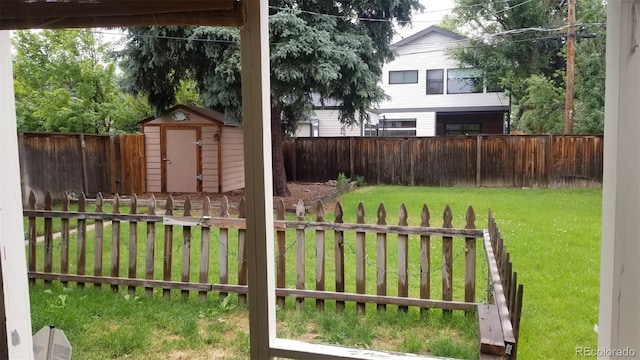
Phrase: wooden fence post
[447,260]
[470,260]
[48,237]
[381,257]
[339,256]
[205,247]
[403,258]
[320,255]
[425,258]
[151,242]
[186,248]
[223,253]
[82,238]
[115,242]
[361,274]
[64,239]
[133,244]
[281,281]
[300,256]
[167,258]
[97,243]
[242,255]
[33,236]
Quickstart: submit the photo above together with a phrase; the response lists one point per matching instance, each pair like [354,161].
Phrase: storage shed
[191,149]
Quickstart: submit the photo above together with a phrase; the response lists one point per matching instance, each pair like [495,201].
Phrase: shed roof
[55,14]
[207,114]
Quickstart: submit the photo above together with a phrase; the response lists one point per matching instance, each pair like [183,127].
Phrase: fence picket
[133,243]
[361,277]
[447,259]
[97,243]
[281,281]
[64,239]
[425,258]
[223,254]
[151,242]
[115,242]
[167,258]
[33,236]
[242,257]
[381,257]
[82,238]
[320,255]
[205,248]
[470,259]
[339,256]
[300,255]
[403,258]
[186,248]
[48,237]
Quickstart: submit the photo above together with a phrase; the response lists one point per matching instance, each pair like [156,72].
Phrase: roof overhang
[55,14]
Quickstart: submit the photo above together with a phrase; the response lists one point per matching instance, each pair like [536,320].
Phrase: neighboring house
[324,122]
[191,149]
[429,95]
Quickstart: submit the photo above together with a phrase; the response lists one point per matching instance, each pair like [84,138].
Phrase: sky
[434,11]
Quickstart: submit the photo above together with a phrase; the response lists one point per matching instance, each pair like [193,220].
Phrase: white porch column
[15,289]
[258,177]
[619,318]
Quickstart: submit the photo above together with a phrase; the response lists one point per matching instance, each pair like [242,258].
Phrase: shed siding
[154,160]
[209,159]
[232,159]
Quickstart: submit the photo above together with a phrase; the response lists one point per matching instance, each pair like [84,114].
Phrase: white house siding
[154,162]
[232,159]
[210,158]
[330,126]
[425,121]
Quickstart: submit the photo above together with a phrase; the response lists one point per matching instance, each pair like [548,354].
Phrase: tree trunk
[280,187]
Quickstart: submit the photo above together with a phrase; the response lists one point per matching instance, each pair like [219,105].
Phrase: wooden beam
[498,292]
[490,334]
[115,280]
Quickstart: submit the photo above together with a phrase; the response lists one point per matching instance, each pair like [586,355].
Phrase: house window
[462,129]
[464,81]
[397,127]
[403,77]
[370,130]
[435,81]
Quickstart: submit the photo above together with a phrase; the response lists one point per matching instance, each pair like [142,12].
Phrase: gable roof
[425,32]
[207,114]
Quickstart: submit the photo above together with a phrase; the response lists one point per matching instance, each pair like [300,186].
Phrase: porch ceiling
[53,14]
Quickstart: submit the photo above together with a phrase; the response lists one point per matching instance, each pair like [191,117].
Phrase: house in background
[191,149]
[430,94]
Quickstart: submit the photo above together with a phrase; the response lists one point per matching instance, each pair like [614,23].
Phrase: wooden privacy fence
[483,160]
[182,251]
[77,163]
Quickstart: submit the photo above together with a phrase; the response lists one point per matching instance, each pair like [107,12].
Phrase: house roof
[56,14]
[207,114]
[425,32]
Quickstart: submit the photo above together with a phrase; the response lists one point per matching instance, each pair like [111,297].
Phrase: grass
[553,236]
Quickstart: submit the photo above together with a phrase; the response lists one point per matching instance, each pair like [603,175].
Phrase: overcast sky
[434,11]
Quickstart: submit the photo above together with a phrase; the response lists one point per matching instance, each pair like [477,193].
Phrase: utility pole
[571,52]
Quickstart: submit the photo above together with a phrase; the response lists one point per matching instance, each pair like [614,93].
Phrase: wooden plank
[320,255]
[425,258]
[48,237]
[470,259]
[490,334]
[361,277]
[97,241]
[121,281]
[82,238]
[242,255]
[167,258]
[281,260]
[92,215]
[115,243]
[339,256]
[300,255]
[205,249]
[479,161]
[32,236]
[403,258]
[150,246]
[64,239]
[223,254]
[447,259]
[133,244]
[186,249]
[381,257]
